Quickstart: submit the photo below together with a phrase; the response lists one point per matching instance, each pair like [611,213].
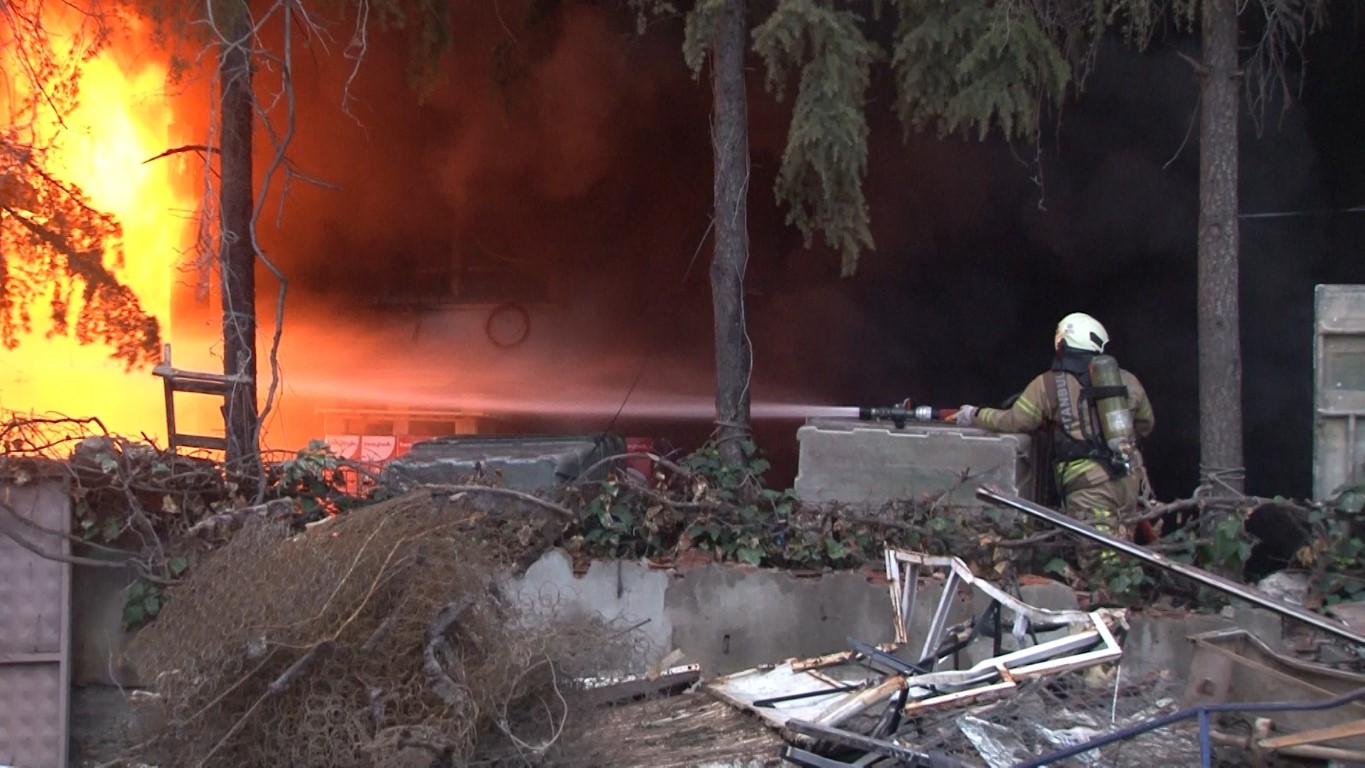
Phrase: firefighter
[1097,485]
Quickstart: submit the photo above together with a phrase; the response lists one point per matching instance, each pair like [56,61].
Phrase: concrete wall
[1157,643]
[726,618]
[98,639]
[729,618]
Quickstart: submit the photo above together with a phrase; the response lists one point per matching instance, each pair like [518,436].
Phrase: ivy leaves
[720,509]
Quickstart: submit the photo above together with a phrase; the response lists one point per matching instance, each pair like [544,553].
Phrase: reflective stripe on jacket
[1037,406]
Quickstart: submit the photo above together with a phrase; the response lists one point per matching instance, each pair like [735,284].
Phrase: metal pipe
[1314,751]
[1317,752]
[909,593]
[902,754]
[1351,441]
[1202,711]
[1200,575]
[1205,741]
[945,604]
[860,702]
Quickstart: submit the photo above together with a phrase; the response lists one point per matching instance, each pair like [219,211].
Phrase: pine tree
[53,243]
[970,67]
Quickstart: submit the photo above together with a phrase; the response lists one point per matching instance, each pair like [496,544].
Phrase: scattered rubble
[857,706]
[1292,588]
[381,636]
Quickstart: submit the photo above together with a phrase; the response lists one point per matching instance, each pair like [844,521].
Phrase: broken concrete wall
[726,618]
[529,464]
[729,618]
[1159,642]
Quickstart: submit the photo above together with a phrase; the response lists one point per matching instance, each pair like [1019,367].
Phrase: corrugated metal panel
[35,600]
[1338,388]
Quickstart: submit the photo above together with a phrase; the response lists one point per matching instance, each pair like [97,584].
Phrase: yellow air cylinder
[1116,420]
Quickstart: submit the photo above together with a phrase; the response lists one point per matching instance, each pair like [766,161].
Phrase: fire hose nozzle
[899,414]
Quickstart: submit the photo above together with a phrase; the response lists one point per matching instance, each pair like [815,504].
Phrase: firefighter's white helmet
[1082,332]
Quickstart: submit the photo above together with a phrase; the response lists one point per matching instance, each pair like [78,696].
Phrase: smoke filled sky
[581,187]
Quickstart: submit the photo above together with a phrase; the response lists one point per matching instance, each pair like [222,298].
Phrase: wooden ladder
[198,383]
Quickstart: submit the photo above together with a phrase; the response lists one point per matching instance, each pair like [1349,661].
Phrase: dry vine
[384,631]
[129,498]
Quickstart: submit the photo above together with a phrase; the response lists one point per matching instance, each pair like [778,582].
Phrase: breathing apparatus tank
[1111,401]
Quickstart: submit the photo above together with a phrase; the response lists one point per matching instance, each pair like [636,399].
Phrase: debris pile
[1068,710]
[381,631]
[978,672]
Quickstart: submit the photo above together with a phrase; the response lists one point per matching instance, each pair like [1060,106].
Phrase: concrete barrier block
[524,463]
[1159,643]
[729,619]
[853,462]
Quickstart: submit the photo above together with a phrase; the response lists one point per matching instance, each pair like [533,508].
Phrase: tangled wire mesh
[383,632]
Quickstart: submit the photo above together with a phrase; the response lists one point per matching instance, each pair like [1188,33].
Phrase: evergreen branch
[821,177]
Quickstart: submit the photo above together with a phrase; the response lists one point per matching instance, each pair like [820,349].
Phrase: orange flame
[123,117]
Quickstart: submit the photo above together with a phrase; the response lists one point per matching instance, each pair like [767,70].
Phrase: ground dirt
[103,725]
[688,730]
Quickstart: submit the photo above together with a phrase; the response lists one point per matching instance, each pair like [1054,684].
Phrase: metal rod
[858,703]
[893,574]
[804,695]
[1200,711]
[1351,441]
[810,759]
[896,663]
[909,593]
[1205,741]
[869,744]
[1197,574]
[932,640]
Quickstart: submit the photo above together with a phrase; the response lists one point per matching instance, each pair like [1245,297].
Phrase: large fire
[443,204]
[122,119]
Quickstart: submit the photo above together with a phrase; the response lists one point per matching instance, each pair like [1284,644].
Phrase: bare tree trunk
[236,252]
[730,143]
[1220,351]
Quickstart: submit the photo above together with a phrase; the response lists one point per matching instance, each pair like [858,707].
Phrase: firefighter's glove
[966,415]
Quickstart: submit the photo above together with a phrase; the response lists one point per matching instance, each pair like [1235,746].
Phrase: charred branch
[274,509]
[671,466]
[558,510]
[200,148]
[297,669]
[379,635]
[437,648]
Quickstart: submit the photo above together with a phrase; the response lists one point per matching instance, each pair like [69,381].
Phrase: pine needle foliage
[698,31]
[54,244]
[963,65]
[427,26]
[825,160]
